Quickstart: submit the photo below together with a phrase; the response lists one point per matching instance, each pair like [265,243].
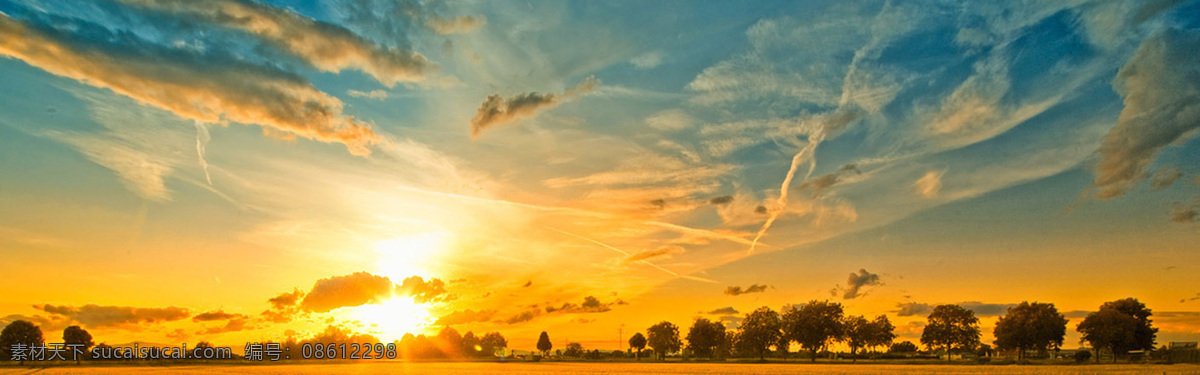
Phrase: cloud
[422,291]
[286,300]
[913,309]
[522,317]
[465,316]
[729,310]
[215,315]
[647,60]
[737,290]
[233,325]
[325,46]
[206,86]
[724,199]
[930,184]
[51,323]
[1185,213]
[1161,86]
[670,120]
[373,94]
[1189,299]
[1164,177]
[980,308]
[662,252]
[856,282]
[590,305]
[456,25]
[821,183]
[354,289]
[497,110]
[96,316]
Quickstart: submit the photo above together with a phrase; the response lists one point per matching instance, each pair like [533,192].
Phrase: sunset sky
[174,171]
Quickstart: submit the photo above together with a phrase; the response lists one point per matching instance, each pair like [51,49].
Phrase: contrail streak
[627,254]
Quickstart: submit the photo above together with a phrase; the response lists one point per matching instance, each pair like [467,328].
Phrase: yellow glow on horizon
[393,318]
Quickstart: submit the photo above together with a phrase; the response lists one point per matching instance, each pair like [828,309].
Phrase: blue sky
[654,153]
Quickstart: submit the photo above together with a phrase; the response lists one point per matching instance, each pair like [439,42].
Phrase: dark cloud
[667,251]
[215,315]
[856,282]
[723,311]
[465,316]
[527,284]
[522,317]
[343,291]
[322,45]
[724,199]
[51,323]
[760,210]
[206,85]
[1161,87]
[497,109]
[1076,314]
[913,309]
[96,316]
[823,182]
[737,290]
[1185,213]
[1193,298]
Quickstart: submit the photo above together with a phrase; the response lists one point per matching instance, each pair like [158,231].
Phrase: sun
[392,318]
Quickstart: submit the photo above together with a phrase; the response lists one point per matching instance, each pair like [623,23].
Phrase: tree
[544,344]
[761,329]
[663,338]
[638,342]
[725,349]
[493,341]
[704,337]
[470,345]
[450,341]
[951,327]
[858,331]
[19,332]
[574,350]
[814,325]
[903,347]
[882,332]
[1119,326]
[77,338]
[1030,326]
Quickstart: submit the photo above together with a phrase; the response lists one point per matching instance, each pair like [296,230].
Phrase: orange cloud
[326,46]
[192,86]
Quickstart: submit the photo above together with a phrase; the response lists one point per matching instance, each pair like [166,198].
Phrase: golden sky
[240,171]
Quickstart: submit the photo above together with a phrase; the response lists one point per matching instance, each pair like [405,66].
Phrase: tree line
[1117,328]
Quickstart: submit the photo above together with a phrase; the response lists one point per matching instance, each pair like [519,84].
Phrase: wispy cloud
[497,110]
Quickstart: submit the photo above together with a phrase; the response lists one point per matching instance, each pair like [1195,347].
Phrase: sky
[234,171]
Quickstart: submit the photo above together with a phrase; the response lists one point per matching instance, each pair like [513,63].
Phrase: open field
[472,368]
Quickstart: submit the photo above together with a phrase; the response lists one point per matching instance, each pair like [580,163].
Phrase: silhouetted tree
[638,342]
[858,331]
[574,350]
[903,347]
[882,332]
[725,348]
[1030,326]
[19,332]
[449,341]
[952,327]
[544,344]
[761,329]
[470,345]
[1119,326]
[704,337]
[77,338]
[663,338]
[814,325]
[493,341]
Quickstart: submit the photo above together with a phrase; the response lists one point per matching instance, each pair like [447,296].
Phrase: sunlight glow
[402,257]
[391,319]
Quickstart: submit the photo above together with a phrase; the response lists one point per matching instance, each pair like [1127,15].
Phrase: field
[473,368]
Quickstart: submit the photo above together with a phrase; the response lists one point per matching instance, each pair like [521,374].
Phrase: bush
[1082,356]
